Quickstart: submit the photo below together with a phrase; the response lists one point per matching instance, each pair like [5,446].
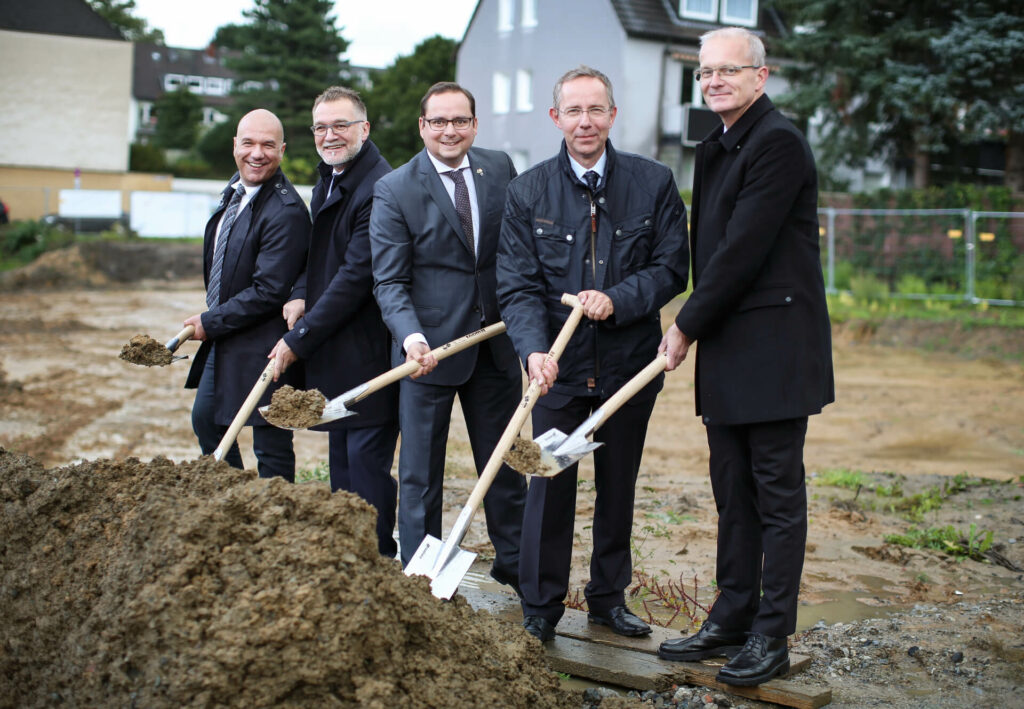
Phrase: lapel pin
[480,171]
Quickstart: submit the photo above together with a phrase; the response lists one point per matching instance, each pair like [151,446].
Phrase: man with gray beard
[335,326]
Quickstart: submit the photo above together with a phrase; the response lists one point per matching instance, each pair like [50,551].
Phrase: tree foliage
[393,102]
[120,13]
[178,117]
[290,51]
[899,78]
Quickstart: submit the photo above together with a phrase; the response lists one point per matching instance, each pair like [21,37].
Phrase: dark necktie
[591,179]
[462,207]
[213,290]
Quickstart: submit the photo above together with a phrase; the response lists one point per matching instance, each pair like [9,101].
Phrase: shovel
[337,407]
[558,451]
[444,563]
[175,342]
[144,350]
[243,413]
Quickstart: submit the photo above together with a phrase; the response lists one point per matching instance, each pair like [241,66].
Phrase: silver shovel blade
[444,581]
[334,409]
[557,452]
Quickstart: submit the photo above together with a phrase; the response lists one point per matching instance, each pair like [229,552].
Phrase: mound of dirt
[99,264]
[195,584]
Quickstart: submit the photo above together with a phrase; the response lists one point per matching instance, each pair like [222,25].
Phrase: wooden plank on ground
[594,652]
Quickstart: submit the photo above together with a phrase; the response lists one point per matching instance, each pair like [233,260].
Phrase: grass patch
[841,477]
[961,545]
[318,473]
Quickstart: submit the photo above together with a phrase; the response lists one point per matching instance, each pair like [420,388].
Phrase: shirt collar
[579,170]
[442,168]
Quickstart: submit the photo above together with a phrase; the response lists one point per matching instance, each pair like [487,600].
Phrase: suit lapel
[432,183]
[485,194]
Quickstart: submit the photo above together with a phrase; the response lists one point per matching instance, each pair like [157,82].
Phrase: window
[739,12]
[502,89]
[524,90]
[529,14]
[173,81]
[195,84]
[506,12]
[699,9]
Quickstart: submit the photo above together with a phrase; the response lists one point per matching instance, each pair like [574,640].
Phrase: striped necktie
[213,290]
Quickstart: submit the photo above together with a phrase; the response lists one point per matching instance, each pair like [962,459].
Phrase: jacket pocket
[554,247]
[767,298]
[631,241]
[428,316]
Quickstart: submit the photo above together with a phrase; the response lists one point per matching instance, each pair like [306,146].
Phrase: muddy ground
[911,419]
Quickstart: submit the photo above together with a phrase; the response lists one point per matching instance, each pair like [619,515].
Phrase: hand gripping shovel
[558,451]
[243,413]
[337,407]
[445,563]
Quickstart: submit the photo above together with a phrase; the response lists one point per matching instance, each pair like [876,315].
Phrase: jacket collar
[361,163]
[743,124]
[563,162]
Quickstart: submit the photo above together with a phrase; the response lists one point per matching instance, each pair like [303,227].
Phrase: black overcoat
[265,254]
[342,337]
[758,310]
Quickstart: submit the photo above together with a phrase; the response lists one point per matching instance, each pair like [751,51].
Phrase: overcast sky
[378,31]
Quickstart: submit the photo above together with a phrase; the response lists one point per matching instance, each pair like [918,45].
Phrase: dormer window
[726,12]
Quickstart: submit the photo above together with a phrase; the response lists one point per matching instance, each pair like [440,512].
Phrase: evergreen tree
[120,13]
[178,116]
[393,102]
[290,51]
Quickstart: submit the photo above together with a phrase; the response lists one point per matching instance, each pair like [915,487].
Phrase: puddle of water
[868,600]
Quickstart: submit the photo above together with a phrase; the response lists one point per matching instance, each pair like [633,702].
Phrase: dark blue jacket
[342,338]
[265,254]
[545,250]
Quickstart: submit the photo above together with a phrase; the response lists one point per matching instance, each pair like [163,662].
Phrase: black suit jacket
[757,311]
[265,253]
[342,338]
[425,277]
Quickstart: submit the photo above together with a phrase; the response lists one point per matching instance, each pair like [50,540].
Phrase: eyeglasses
[705,73]
[339,127]
[439,124]
[595,112]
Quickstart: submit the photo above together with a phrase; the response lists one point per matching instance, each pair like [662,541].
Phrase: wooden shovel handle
[445,350]
[246,411]
[518,420]
[175,342]
[630,389]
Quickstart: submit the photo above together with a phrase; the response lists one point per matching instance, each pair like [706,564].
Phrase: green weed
[970,545]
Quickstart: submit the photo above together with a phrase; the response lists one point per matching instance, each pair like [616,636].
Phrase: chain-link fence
[943,254]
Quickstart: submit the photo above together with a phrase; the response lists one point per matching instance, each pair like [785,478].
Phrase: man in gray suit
[434,234]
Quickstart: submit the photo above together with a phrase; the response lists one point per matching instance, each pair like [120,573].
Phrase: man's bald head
[258,146]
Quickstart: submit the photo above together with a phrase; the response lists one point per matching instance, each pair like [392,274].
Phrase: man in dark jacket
[610,227]
[334,323]
[255,248]
[764,359]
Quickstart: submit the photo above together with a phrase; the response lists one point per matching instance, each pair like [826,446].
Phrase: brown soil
[295,408]
[908,418]
[144,350]
[194,584]
[524,456]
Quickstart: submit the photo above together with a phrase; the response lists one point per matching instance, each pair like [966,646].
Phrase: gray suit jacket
[425,277]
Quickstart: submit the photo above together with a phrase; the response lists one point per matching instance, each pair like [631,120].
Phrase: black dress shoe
[539,627]
[712,640]
[621,620]
[762,658]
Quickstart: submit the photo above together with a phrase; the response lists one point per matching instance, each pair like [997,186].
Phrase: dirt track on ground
[915,417]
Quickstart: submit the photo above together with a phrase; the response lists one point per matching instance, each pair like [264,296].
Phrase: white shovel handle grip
[630,389]
[175,342]
[246,411]
[445,350]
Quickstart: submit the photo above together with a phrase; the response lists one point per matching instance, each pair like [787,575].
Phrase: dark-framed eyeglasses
[338,127]
[706,72]
[595,112]
[439,124]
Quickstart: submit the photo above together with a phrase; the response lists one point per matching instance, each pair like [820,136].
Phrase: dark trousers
[488,398]
[360,460]
[546,551]
[757,475]
[275,456]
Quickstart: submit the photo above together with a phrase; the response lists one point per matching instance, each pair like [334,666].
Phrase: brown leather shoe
[712,640]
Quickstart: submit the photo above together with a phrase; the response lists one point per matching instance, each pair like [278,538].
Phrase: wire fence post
[970,222]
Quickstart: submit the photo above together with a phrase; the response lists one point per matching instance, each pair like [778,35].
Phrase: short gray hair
[754,44]
[582,71]
[336,93]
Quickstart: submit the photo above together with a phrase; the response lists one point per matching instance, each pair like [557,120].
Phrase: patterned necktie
[591,178]
[462,206]
[213,290]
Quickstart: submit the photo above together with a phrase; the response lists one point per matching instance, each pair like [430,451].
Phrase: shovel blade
[331,413]
[444,580]
[558,451]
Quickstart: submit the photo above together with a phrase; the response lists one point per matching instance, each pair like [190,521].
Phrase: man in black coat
[434,234]
[335,326]
[254,249]
[611,227]
[764,355]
